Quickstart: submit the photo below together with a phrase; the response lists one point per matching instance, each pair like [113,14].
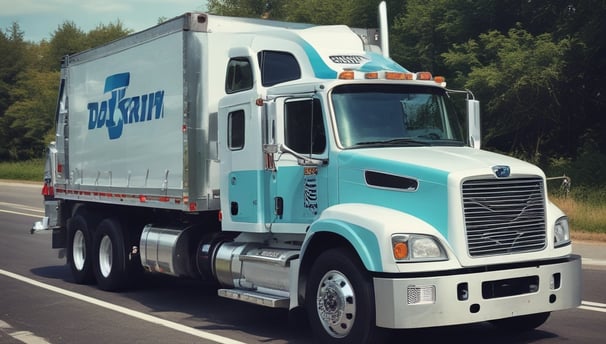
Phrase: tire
[110,256]
[340,300]
[80,247]
[521,323]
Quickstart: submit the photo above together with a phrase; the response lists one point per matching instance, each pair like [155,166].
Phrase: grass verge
[587,219]
[32,170]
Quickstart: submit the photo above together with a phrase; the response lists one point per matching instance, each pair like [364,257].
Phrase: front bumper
[468,297]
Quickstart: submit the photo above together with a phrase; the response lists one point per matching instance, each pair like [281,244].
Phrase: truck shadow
[196,304]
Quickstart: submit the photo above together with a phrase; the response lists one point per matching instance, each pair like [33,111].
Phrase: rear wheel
[340,300]
[111,258]
[80,247]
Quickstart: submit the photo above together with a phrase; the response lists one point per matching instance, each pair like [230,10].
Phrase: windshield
[376,115]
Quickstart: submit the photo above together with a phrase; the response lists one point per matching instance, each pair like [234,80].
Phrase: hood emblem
[501,171]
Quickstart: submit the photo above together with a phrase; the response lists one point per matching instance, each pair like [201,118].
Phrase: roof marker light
[347,75]
[371,75]
[439,79]
[395,76]
[423,76]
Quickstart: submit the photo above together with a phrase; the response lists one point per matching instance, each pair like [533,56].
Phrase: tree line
[536,65]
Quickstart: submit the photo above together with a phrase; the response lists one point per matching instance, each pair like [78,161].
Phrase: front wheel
[340,300]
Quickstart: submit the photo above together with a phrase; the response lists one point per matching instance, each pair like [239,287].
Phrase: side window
[235,130]
[277,67]
[239,75]
[304,126]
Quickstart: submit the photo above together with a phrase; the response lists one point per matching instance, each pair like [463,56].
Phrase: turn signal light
[400,250]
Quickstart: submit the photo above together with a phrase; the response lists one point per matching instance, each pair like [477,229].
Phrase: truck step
[255,297]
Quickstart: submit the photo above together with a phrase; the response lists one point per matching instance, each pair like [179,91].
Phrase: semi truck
[298,167]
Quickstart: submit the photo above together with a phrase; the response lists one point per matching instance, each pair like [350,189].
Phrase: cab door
[298,186]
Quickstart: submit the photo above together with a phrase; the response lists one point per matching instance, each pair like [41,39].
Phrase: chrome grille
[504,216]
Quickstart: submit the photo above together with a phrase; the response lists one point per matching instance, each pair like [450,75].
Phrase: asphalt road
[40,304]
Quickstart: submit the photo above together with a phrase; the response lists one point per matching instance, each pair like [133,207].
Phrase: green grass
[584,216]
[32,170]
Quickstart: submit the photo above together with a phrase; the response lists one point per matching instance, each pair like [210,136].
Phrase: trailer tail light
[48,191]
[60,168]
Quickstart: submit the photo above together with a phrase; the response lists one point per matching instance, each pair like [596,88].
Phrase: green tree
[243,8]
[12,63]
[519,77]
[426,29]
[106,33]
[31,116]
[67,39]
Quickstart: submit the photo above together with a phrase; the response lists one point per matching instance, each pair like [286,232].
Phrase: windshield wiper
[409,141]
[400,141]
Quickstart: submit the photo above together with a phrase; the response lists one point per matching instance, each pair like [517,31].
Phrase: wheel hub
[336,304]
[79,250]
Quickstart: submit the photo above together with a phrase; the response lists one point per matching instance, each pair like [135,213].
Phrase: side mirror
[473,123]
[301,159]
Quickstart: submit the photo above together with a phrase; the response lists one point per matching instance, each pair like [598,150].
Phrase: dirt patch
[588,236]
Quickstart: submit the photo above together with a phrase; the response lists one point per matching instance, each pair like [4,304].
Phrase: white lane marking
[135,314]
[23,336]
[19,213]
[31,211]
[589,261]
[593,306]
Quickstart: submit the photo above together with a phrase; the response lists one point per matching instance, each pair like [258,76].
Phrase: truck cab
[375,181]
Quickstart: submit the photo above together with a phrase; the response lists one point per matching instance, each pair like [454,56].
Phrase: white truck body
[297,167]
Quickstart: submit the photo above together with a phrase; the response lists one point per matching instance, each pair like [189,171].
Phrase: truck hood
[420,181]
[432,163]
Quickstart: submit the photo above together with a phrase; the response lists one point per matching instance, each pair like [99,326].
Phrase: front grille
[504,216]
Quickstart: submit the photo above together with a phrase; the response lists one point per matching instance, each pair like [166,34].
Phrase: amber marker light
[400,250]
[423,76]
[347,75]
[439,79]
[371,75]
[395,76]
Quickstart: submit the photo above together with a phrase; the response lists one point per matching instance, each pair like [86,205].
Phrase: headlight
[416,247]
[561,232]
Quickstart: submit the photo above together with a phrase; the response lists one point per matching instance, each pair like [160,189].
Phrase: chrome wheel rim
[105,256]
[79,250]
[336,304]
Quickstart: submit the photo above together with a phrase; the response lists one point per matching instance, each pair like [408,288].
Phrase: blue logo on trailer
[119,110]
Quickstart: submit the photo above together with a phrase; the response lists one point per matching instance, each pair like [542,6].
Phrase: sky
[39,19]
